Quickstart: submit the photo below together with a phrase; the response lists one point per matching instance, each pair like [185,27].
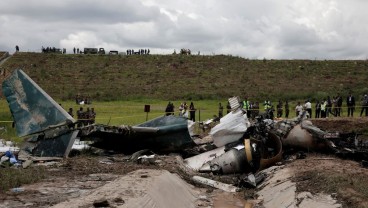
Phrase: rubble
[216,184]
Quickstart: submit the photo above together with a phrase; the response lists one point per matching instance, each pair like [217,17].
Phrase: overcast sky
[256,29]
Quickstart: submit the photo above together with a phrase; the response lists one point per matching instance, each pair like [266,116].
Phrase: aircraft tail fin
[38,116]
[33,110]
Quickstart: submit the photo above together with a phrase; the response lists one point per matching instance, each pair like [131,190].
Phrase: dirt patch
[346,125]
[344,179]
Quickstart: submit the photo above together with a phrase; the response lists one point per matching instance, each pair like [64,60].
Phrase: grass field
[131,112]
[119,112]
[178,77]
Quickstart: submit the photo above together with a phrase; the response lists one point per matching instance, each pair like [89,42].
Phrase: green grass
[176,77]
[118,112]
[12,178]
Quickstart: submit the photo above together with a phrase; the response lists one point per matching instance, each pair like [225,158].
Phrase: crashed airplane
[51,131]
[236,146]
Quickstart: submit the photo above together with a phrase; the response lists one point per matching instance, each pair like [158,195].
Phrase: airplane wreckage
[237,145]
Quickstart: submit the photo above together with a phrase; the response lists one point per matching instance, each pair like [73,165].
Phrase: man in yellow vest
[246,106]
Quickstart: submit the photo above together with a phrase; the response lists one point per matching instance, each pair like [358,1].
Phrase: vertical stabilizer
[33,110]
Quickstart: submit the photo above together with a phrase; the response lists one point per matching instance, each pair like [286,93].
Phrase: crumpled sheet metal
[230,129]
[38,116]
[32,108]
[162,134]
[306,136]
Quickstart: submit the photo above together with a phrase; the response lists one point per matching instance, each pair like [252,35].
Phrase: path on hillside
[3,60]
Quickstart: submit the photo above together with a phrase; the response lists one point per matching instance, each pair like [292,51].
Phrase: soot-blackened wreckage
[237,145]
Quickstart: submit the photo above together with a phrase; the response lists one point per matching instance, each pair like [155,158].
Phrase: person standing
[80,116]
[228,107]
[308,107]
[279,109]
[364,105]
[246,106]
[70,112]
[287,110]
[298,109]
[93,116]
[192,111]
[221,111]
[329,107]
[323,108]
[318,109]
[339,105]
[185,110]
[168,110]
[350,102]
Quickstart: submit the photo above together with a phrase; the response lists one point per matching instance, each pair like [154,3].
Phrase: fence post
[199,114]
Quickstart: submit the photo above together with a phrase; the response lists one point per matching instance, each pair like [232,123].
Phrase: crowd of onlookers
[327,107]
[324,108]
[84,117]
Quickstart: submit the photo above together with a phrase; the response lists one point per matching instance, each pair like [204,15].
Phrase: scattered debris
[215,184]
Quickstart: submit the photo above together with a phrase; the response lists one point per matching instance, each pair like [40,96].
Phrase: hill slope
[173,77]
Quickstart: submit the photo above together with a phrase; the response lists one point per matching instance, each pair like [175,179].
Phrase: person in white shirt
[298,109]
[308,108]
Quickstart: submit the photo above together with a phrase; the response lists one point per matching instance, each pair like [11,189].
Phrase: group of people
[81,100]
[53,50]
[183,110]
[323,108]
[139,52]
[84,117]
[333,106]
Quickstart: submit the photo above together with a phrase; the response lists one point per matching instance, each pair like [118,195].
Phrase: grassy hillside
[178,77]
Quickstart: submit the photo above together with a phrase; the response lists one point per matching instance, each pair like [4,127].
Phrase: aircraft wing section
[33,110]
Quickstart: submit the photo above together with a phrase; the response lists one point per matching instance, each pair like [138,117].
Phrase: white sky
[272,29]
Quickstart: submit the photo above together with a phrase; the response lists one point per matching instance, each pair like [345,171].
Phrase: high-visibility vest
[267,105]
[246,105]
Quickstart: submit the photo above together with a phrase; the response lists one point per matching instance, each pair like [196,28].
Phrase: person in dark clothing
[364,105]
[350,102]
[339,105]
[287,109]
[92,116]
[318,109]
[168,109]
[192,111]
[329,107]
[279,109]
[80,116]
[221,111]
[70,112]
[228,107]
